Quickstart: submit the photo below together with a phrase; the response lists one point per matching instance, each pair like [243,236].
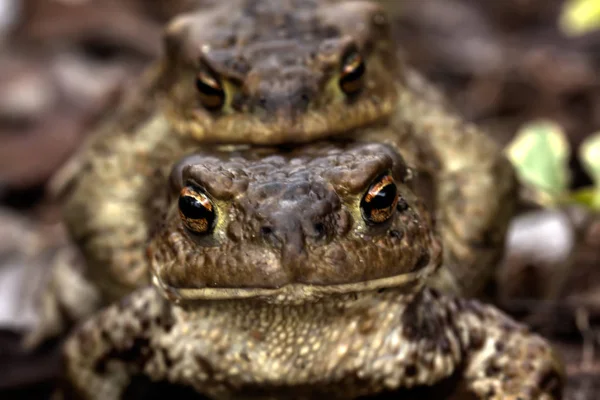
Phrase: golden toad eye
[196,210]
[379,202]
[352,74]
[212,95]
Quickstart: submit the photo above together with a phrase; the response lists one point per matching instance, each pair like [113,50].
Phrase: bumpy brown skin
[291,217]
[279,63]
[246,320]
[281,86]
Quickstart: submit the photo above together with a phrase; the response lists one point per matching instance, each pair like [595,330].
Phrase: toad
[301,274]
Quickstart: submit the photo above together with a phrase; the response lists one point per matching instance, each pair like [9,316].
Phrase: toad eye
[352,74]
[379,202]
[212,95]
[196,210]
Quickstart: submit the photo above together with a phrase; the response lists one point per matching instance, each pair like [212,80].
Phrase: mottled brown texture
[281,59]
[340,347]
[246,312]
[107,187]
[289,223]
[280,63]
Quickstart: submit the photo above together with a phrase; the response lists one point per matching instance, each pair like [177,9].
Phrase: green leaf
[579,17]
[589,197]
[589,155]
[539,153]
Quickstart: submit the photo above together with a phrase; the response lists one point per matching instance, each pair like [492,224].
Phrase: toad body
[270,72]
[300,274]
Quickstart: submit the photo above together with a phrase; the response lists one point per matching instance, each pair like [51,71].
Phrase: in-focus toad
[300,275]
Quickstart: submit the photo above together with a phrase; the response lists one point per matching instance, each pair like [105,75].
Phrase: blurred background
[504,64]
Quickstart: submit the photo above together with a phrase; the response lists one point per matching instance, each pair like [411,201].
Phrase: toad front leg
[514,364]
[501,359]
[504,360]
[341,348]
[103,355]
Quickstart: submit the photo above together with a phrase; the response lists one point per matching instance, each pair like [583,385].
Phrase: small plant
[589,154]
[580,17]
[540,154]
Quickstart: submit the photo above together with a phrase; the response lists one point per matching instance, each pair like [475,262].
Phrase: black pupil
[212,95]
[384,198]
[208,89]
[193,209]
[355,73]
[376,205]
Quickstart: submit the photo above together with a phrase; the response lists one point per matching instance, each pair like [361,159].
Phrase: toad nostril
[402,205]
[396,234]
[319,229]
[304,100]
[266,230]
[262,102]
